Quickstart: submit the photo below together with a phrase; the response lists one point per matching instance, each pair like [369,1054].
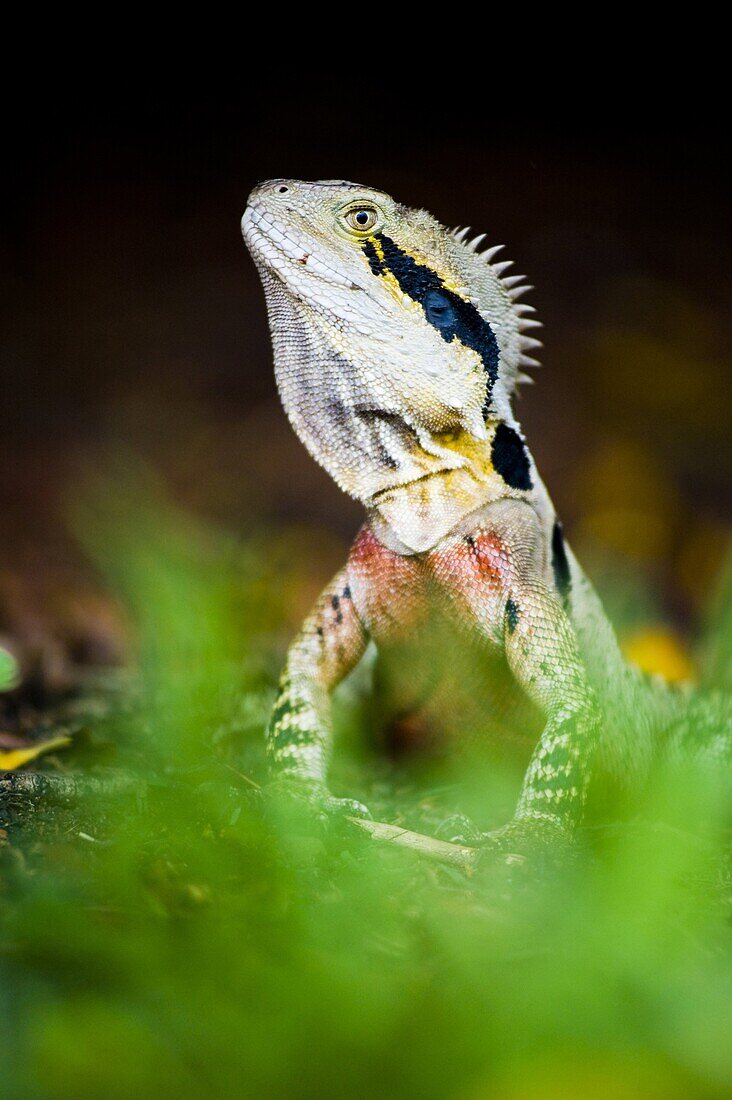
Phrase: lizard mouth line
[381,494]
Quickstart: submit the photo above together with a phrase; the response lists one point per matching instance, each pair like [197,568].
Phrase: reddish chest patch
[389,589]
[395,594]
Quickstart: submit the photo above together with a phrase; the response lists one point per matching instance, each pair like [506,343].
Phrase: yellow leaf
[16,758]
[659,652]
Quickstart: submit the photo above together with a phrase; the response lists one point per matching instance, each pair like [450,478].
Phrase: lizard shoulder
[514,528]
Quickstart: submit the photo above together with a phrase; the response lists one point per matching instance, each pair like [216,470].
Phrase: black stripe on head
[375,262]
[510,458]
[445,310]
[560,565]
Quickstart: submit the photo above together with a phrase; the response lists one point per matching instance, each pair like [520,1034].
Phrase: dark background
[133,321]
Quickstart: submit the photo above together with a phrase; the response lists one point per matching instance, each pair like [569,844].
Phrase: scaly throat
[424,510]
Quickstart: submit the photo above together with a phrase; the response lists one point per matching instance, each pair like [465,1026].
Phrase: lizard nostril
[283,190]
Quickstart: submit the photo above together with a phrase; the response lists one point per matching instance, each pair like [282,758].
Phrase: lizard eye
[363,219]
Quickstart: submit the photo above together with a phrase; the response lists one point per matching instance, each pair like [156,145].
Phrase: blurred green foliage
[180,938]
[8,670]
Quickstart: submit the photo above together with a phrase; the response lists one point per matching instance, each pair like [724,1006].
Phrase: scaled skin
[397,350]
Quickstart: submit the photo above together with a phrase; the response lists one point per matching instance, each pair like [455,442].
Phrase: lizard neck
[417,515]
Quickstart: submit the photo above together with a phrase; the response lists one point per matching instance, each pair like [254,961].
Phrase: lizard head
[393,337]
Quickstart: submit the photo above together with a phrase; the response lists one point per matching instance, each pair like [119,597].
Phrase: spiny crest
[489,284]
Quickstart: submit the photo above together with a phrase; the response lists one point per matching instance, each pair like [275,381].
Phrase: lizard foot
[541,842]
[306,798]
[345,807]
[459,829]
